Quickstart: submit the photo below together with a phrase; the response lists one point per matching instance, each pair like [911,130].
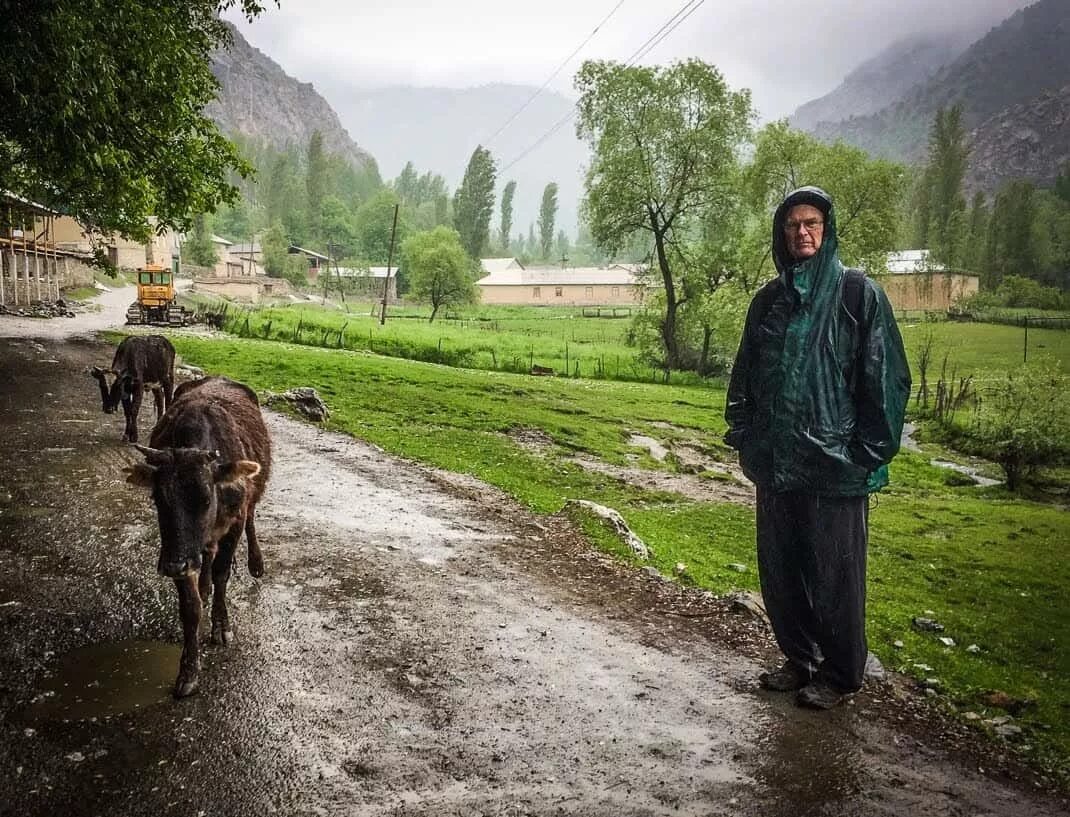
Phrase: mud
[418,646]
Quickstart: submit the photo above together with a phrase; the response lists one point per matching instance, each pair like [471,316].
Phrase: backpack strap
[854,284]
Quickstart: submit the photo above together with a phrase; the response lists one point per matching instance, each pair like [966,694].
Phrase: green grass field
[987,564]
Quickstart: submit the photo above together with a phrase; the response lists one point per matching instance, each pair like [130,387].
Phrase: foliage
[665,143]
[940,205]
[278,263]
[316,183]
[373,224]
[438,269]
[198,248]
[473,203]
[505,230]
[547,215]
[1022,422]
[865,191]
[101,115]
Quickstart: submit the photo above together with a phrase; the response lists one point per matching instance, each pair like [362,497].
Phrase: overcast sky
[786,52]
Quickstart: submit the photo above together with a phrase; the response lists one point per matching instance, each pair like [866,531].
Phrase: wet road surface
[418,646]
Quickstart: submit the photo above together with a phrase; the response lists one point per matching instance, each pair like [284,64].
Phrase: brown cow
[208,467]
[141,362]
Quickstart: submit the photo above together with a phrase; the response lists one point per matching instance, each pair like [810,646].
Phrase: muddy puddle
[107,679]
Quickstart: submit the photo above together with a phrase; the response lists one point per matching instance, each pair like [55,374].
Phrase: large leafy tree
[665,143]
[866,193]
[547,216]
[473,203]
[101,109]
[438,269]
[373,223]
[316,180]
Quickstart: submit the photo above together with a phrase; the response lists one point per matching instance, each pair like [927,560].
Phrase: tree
[563,245]
[866,193]
[507,214]
[372,224]
[665,143]
[198,248]
[316,182]
[473,203]
[438,269]
[945,175]
[101,114]
[547,215]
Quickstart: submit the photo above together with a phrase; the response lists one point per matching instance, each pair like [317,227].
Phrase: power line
[670,25]
[557,71]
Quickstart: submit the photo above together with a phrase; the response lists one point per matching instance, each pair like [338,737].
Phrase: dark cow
[208,466]
[141,362]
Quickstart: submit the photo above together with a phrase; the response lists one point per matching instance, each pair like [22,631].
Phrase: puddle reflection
[107,679]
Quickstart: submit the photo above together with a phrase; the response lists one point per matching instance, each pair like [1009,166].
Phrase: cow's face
[197,495]
[111,393]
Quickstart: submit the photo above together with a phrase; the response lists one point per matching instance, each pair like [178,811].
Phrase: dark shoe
[819,694]
[786,679]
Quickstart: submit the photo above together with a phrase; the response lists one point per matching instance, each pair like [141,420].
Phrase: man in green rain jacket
[815,409]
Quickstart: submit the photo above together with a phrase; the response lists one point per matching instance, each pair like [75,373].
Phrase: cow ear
[233,470]
[140,475]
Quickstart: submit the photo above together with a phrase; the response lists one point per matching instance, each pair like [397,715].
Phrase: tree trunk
[668,326]
[704,357]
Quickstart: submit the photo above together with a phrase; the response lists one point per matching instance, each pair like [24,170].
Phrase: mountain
[1015,63]
[438,128]
[257,99]
[1028,141]
[884,78]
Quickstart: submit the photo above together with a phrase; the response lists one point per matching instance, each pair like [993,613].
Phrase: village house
[914,281]
[507,281]
[33,267]
[368,281]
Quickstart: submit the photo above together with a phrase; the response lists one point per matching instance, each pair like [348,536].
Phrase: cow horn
[154,456]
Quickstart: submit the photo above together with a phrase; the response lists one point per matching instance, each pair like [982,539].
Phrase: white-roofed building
[914,281]
[907,261]
[509,282]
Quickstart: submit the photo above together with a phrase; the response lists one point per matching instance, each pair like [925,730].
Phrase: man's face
[804,228]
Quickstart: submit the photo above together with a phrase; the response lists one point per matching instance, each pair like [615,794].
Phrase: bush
[1023,422]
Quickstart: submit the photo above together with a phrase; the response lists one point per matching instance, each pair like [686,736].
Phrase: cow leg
[158,399]
[189,609]
[131,408]
[168,392]
[204,585]
[256,558]
[221,632]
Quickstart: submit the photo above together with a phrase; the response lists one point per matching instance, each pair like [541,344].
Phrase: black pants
[812,566]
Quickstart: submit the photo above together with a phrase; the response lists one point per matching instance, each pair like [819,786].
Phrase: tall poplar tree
[547,216]
[507,214]
[473,203]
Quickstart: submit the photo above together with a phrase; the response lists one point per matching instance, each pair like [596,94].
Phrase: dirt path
[419,646]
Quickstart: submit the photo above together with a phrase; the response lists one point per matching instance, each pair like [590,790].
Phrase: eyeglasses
[811,225]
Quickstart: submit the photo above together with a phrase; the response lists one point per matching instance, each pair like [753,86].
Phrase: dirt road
[419,646]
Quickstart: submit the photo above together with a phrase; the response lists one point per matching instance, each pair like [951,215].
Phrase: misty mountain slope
[1028,141]
[258,99]
[884,78]
[1015,62]
[438,128]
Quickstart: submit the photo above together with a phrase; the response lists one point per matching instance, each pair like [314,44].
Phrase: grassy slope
[987,564]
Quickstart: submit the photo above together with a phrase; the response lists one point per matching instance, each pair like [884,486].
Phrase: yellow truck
[156,303]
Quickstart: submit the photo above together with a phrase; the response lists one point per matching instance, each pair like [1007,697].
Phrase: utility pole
[389,264]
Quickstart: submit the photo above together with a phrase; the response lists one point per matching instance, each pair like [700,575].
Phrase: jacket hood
[818,198]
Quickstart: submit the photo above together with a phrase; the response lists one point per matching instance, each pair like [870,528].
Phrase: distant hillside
[1024,57]
[885,78]
[260,100]
[1029,141]
[438,128]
